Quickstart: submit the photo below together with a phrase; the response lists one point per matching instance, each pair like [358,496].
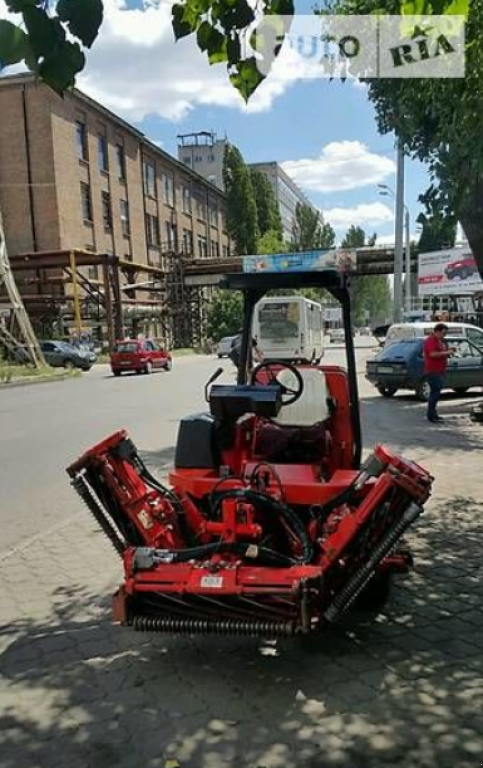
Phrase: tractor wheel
[422,391]
[461,391]
[376,594]
[149,368]
[386,391]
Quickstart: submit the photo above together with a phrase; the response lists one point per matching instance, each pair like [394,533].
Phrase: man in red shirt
[436,355]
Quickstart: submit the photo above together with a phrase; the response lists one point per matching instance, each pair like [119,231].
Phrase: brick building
[73,175]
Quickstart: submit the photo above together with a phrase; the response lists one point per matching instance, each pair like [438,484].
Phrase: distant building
[203,152]
[287,193]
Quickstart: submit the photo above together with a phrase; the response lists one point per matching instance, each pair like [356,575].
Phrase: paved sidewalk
[402,688]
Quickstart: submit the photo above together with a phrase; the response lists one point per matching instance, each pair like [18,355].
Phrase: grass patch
[9,373]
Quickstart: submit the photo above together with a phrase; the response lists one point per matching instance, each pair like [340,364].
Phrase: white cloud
[363,215]
[137,69]
[342,165]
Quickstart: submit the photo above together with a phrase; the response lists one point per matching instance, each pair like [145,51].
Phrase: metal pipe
[353,388]
[408,291]
[399,234]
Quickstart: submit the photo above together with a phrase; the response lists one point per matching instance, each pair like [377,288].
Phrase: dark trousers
[435,381]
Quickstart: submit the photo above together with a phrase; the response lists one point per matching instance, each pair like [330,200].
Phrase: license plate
[214,582]
[385,369]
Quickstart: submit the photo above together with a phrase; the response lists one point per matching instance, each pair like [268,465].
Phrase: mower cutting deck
[269,526]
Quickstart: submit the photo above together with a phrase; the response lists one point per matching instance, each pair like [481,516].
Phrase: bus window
[279,321]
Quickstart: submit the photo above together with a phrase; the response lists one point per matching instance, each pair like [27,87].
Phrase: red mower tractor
[270,525]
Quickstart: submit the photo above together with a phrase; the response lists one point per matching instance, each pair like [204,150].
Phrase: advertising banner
[338,259]
[448,273]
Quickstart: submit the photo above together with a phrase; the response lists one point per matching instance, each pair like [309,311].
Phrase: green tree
[225,315]
[371,293]
[268,212]
[271,242]
[438,232]
[241,207]
[309,231]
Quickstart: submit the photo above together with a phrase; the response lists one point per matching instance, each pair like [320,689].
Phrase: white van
[417,330]
[289,328]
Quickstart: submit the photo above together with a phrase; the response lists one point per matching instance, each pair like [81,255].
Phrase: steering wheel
[273,369]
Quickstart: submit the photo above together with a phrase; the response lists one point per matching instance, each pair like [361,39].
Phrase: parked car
[225,345]
[401,366]
[140,355]
[59,354]
[399,331]
[463,268]
[337,336]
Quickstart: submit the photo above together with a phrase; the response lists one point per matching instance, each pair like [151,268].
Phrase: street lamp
[386,191]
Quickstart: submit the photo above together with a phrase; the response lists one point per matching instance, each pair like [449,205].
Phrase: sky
[323,132]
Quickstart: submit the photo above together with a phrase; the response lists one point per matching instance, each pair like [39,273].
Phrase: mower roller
[270,525]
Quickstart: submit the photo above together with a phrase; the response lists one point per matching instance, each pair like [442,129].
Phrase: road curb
[35,380]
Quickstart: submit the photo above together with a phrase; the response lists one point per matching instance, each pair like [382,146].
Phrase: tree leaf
[247,77]
[13,43]
[17,6]
[83,18]
[233,49]
[203,35]
[60,67]
[181,25]
[44,33]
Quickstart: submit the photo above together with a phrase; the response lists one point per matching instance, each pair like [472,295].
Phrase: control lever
[216,375]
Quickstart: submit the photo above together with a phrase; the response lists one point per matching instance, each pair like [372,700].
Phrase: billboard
[339,259]
[449,272]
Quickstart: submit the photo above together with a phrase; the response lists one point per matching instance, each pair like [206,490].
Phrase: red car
[140,355]
[463,268]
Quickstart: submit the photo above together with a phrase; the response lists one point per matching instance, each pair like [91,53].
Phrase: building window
[124,209]
[86,202]
[121,162]
[168,189]
[93,272]
[149,175]
[106,211]
[186,200]
[224,250]
[170,236]
[223,220]
[202,246]
[102,155]
[211,158]
[213,215]
[187,160]
[152,230]
[215,250]
[81,139]
[187,242]
[201,209]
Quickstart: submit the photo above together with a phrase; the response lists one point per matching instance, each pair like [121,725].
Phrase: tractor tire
[386,391]
[461,391]
[422,391]
[376,594]
[149,368]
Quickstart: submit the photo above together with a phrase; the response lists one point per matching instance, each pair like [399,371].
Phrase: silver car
[225,346]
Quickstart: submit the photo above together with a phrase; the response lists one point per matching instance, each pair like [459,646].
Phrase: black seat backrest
[229,402]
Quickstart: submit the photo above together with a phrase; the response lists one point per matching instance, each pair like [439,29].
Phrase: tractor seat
[299,433]
[313,405]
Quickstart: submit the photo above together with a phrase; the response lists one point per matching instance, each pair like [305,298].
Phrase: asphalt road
[44,427]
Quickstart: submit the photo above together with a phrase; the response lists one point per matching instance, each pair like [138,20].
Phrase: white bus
[289,328]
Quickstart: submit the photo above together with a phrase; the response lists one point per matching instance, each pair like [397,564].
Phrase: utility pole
[399,234]
[19,336]
[407,249]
